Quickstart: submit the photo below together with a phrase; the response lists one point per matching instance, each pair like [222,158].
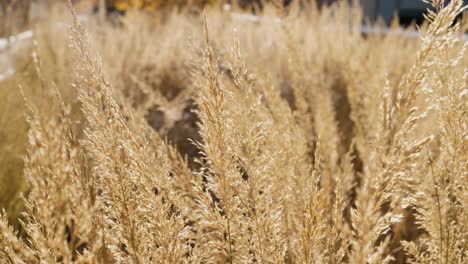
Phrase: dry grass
[214,139]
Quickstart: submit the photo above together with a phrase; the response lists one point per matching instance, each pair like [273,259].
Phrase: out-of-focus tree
[153,5]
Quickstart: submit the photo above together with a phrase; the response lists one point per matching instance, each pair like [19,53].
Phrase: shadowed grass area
[13,141]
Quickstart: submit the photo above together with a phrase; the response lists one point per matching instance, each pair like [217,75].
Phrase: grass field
[212,137]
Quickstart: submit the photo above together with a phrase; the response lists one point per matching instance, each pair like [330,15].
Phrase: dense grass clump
[224,138]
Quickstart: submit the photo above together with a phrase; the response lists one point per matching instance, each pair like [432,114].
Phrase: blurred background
[16,14]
